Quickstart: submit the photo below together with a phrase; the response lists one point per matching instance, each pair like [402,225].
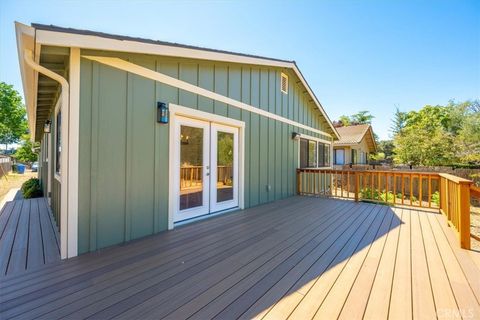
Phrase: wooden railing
[191,176]
[455,205]
[447,193]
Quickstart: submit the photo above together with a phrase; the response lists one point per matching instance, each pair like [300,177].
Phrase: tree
[398,122]
[362,117]
[387,148]
[26,153]
[12,115]
[439,135]
[344,120]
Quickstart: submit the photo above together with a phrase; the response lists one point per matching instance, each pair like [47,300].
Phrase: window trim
[57,175]
[317,140]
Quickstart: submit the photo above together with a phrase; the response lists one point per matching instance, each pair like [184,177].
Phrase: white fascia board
[82,41]
[24,32]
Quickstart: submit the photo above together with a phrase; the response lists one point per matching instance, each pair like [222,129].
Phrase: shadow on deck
[299,258]
[28,236]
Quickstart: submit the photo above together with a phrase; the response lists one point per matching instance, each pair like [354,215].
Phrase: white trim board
[73,152]
[163,78]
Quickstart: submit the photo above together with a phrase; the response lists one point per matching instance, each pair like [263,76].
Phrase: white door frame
[177,111]
[205,207]
[214,206]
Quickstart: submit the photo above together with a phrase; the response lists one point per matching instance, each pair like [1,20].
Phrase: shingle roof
[353,134]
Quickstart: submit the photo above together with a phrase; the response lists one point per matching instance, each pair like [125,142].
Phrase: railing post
[299,181]
[464,206]
[357,186]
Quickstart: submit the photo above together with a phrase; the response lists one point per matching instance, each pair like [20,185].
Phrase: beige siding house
[355,145]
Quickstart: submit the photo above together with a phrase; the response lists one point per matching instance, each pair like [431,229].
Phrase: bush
[32,188]
[436,198]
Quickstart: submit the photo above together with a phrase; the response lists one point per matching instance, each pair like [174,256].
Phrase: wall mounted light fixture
[47,126]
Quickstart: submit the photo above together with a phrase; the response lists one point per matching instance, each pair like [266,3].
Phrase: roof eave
[57,36]
[25,38]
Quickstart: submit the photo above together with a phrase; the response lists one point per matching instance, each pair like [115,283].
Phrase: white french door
[206,168]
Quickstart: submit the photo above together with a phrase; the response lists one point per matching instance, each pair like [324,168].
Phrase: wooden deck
[28,236]
[299,258]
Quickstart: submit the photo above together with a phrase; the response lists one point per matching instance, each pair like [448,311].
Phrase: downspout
[28,57]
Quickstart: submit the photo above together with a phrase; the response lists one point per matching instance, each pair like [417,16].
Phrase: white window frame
[317,140]
[58,176]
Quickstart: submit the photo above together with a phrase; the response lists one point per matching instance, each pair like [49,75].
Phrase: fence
[445,192]
[5,165]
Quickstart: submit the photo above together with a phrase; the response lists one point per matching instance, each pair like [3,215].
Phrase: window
[58,141]
[284,83]
[314,154]
[339,156]
[323,155]
[354,159]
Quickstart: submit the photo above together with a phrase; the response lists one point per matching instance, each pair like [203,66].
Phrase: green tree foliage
[12,115]
[439,135]
[344,120]
[26,153]
[385,150]
[398,122]
[362,117]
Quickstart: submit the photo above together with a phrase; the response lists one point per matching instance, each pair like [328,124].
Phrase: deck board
[301,257]
[22,247]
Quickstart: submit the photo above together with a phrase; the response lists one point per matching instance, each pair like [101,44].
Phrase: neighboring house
[355,145]
[138,136]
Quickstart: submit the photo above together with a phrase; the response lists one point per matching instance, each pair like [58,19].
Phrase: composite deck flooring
[28,236]
[298,258]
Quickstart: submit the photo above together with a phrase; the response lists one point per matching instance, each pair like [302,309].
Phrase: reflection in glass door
[192,171]
[224,158]
[191,167]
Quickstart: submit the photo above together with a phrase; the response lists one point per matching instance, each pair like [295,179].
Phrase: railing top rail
[413,173]
[455,179]
[475,191]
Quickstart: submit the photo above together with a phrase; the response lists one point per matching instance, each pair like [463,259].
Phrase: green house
[140,136]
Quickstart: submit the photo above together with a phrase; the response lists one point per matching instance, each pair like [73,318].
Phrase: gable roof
[351,135]
[51,35]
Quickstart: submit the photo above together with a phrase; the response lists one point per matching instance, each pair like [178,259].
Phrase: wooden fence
[444,192]
[5,165]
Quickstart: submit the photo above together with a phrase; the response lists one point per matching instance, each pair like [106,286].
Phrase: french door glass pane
[191,167]
[224,166]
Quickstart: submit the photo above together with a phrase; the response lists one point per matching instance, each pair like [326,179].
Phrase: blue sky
[356,55]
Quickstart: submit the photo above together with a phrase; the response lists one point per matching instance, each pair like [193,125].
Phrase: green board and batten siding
[123,186]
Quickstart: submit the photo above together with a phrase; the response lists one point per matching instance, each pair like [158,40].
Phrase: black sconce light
[47,126]
[295,136]
[162,112]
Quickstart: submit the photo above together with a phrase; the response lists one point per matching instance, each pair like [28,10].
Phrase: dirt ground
[14,180]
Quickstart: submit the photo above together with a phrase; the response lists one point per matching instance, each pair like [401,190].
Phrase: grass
[13,180]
